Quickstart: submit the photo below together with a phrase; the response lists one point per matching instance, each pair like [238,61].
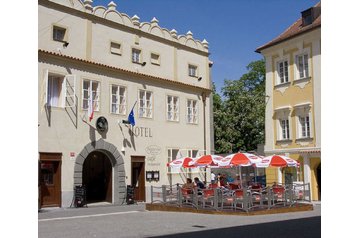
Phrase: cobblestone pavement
[135,221]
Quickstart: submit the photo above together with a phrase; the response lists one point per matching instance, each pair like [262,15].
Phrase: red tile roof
[294,30]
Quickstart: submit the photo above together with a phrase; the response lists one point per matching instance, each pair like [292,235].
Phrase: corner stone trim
[119,194]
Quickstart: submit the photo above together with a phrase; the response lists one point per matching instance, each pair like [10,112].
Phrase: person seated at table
[198,183]
[189,184]
[237,180]
[223,181]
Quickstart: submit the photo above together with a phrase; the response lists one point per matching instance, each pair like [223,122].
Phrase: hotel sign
[142,131]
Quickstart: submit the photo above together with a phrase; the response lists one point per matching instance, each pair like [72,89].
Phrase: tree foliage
[239,118]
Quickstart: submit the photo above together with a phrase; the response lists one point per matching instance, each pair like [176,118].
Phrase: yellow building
[293,110]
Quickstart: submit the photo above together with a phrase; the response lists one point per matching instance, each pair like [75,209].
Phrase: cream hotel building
[124,63]
[293,109]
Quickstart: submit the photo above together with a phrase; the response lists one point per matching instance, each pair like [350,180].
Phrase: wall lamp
[126,122]
[144,63]
[65,44]
[200,78]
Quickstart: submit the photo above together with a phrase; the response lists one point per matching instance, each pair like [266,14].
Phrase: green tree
[239,119]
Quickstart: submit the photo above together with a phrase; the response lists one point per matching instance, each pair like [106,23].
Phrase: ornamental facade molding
[112,14]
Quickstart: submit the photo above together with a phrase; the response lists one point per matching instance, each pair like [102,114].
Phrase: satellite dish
[102,124]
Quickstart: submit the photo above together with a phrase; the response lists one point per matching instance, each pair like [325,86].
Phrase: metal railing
[245,199]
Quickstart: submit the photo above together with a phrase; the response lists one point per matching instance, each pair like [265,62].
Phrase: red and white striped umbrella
[207,161]
[277,161]
[185,162]
[240,159]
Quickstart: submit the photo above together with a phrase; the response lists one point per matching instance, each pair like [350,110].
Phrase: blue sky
[233,28]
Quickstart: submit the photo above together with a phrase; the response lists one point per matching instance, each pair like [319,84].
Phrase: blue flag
[131,116]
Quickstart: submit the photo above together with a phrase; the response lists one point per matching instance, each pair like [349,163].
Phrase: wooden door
[138,178]
[50,179]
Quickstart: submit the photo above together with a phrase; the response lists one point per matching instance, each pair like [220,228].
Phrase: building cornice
[307,150]
[147,76]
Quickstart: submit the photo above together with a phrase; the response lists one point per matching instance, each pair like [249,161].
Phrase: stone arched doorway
[97,177]
[110,157]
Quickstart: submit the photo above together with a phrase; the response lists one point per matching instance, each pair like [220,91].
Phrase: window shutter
[44,88]
[70,91]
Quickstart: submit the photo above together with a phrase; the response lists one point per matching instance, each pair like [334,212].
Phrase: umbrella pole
[255,173]
[240,175]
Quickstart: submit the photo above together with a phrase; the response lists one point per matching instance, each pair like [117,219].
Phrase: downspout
[203,98]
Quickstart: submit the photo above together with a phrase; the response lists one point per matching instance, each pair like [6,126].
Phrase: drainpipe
[203,97]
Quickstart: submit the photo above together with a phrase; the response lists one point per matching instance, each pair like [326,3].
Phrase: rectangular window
[59,90]
[305,131]
[192,111]
[115,48]
[302,65]
[145,104]
[282,68]
[192,70]
[285,130]
[172,108]
[155,59]
[136,56]
[58,33]
[172,155]
[55,91]
[90,86]
[118,99]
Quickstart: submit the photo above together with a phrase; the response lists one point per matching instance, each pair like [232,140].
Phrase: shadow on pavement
[305,227]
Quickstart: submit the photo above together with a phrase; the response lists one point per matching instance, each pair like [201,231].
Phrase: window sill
[285,141]
[301,82]
[303,139]
[282,85]
[58,40]
[114,53]
[302,79]
[117,114]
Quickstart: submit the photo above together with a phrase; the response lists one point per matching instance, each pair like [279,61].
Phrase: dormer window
[307,17]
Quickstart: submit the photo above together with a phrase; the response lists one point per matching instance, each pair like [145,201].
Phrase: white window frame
[284,125]
[285,73]
[96,94]
[284,129]
[192,111]
[305,64]
[303,122]
[145,108]
[173,112]
[193,70]
[172,156]
[136,55]
[305,127]
[119,105]
[66,90]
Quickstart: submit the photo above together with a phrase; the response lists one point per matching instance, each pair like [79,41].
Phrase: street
[135,221]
